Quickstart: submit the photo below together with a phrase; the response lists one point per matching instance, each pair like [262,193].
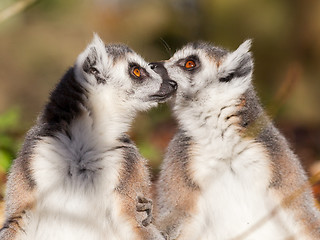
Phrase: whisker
[167,47]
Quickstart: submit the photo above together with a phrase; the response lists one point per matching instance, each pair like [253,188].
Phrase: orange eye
[190,64]
[136,72]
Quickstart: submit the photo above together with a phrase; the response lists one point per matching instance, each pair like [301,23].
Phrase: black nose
[173,84]
[158,67]
[152,65]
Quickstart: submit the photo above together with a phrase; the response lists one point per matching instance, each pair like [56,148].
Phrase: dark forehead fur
[117,50]
[213,51]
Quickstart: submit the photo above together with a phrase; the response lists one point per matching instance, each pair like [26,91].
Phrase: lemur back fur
[228,173]
[78,175]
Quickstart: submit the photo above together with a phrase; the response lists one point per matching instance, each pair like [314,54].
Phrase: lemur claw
[165,235]
[145,205]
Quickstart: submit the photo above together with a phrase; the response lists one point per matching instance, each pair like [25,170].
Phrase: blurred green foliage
[9,139]
[151,133]
[41,41]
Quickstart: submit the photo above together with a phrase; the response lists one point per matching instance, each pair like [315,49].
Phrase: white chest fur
[234,176]
[75,190]
[236,202]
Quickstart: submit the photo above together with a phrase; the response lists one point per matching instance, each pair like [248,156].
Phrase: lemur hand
[145,205]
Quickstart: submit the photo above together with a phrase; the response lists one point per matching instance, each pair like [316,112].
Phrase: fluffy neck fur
[222,127]
[72,100]
[217,113]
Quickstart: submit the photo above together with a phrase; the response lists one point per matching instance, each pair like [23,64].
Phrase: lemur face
[205,72]
[118,71]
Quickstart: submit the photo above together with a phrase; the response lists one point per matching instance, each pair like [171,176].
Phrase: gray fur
[66,103]
[72,99]
[177,187]
[215,52]
[179,152]
[252,110]
[117,50]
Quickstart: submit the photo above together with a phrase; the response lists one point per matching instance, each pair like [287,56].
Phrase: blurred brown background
[40,39]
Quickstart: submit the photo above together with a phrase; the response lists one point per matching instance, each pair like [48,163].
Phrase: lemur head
[209,74]
[116,75]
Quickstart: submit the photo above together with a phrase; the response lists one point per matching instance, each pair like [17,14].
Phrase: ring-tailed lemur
[78,175]
[228,172]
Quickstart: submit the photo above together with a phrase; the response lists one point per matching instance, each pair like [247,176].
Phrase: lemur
[78,175]
[228,173]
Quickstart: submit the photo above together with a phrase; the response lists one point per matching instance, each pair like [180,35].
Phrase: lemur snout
[173,84]
[154,65]
[159,68]
[168,86]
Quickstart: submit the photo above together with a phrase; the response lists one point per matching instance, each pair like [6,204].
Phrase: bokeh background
[40,39]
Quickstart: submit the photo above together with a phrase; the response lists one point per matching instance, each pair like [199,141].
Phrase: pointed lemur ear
[95,52]
[92,61]
[236,64]
[98,44]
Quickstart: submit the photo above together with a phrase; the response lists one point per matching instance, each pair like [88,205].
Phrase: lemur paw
[145,205]
[165,235]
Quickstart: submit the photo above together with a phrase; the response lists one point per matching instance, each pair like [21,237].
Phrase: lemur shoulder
[228,172]
[78,175]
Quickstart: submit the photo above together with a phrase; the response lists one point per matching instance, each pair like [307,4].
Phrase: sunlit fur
[78,175]
[228,173]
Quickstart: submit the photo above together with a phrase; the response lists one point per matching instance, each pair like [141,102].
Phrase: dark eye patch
[94,71]
[142,70]
[184,63]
